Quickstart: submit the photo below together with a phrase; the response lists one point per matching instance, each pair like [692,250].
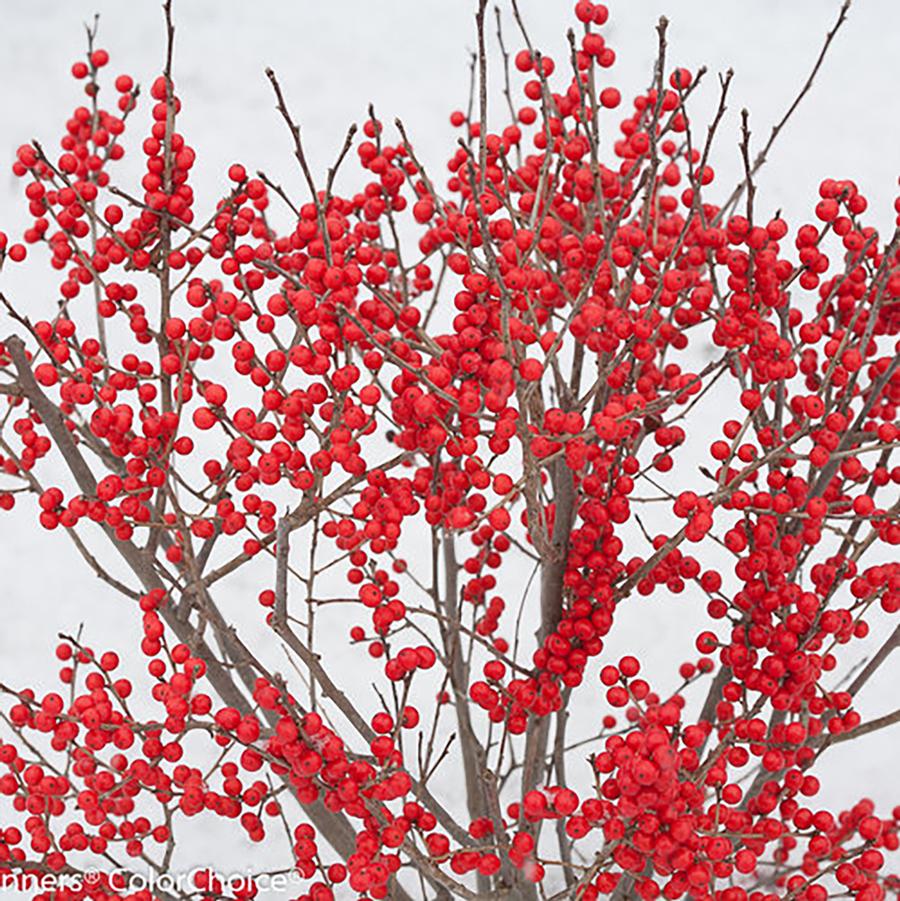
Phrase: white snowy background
[410,58]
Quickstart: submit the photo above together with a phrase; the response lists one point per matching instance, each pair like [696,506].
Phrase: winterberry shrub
[443,427]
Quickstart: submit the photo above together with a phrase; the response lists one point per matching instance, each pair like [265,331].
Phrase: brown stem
[552,572]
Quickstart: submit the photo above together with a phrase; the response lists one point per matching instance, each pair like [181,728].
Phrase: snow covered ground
[409,57]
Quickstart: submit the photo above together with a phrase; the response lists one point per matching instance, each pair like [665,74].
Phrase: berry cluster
[214,386]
